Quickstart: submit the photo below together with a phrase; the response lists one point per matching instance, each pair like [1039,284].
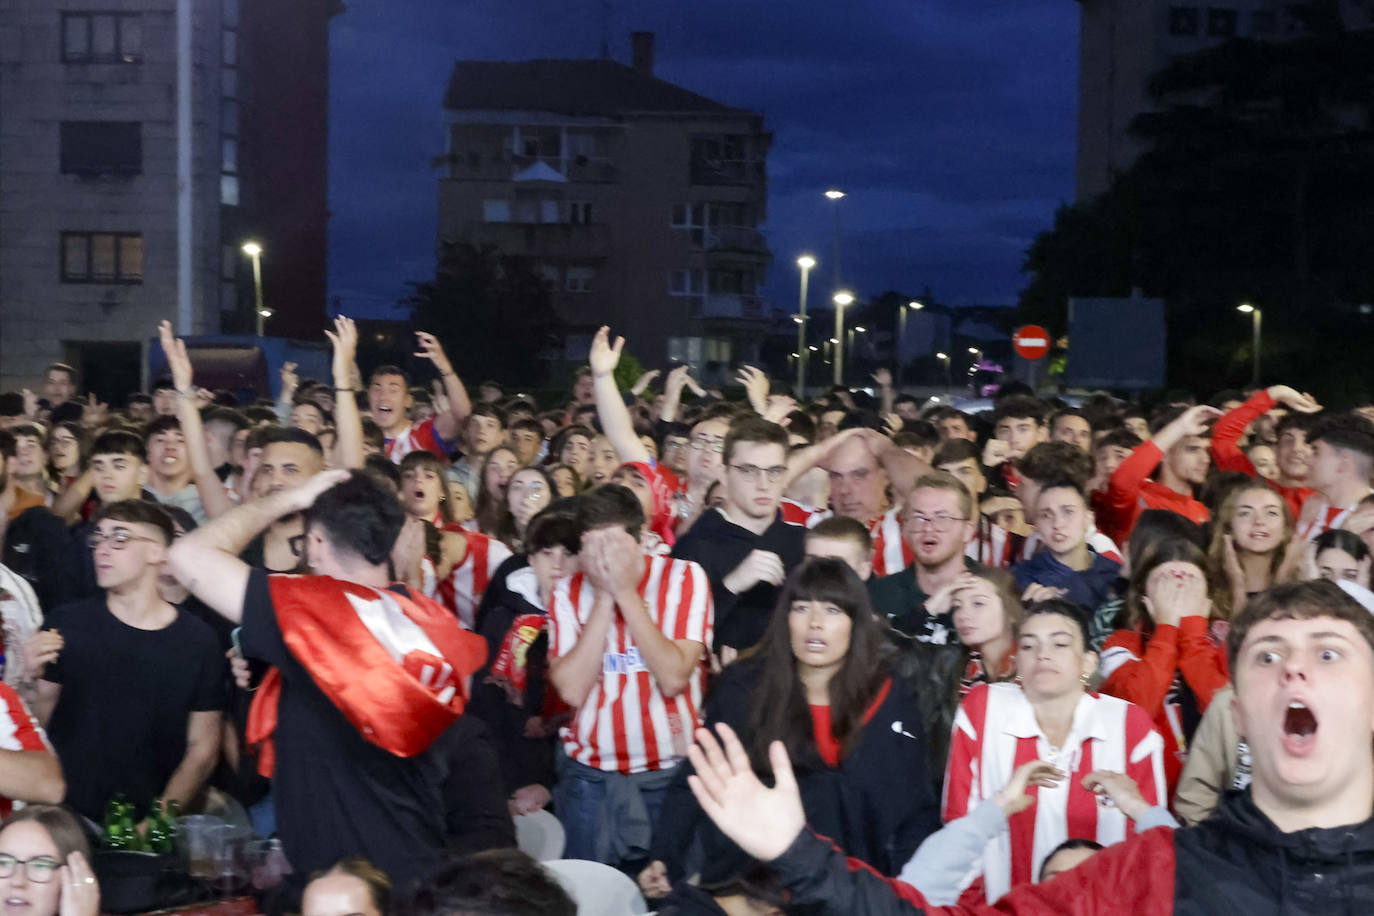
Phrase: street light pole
[901,335]
[841,299]
[949,384]
[254,251]
[835,195]
[1256,319]
[805,262]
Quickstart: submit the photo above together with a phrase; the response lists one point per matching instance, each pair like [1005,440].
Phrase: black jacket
[1235,863]
[878,804]
[720,545]
[34,545]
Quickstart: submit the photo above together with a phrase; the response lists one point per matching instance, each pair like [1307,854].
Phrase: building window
[229,190]
[495,211]
[1184,20]
[579,212]
[551,275]
[685,283]
[1264,23]
[101,147]
[102,257]
[692,217]
[229,154]
[580,279]
[1221,23]
[229,256]
[102,38]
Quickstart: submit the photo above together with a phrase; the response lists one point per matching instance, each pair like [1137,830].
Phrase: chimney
[643,58]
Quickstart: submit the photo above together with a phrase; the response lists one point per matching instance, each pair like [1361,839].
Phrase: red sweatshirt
[1130,492]
[1227,455]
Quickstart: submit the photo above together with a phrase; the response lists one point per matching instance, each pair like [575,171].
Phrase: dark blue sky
[949,122]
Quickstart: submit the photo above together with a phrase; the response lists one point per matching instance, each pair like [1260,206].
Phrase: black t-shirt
[338,794]
[127,695]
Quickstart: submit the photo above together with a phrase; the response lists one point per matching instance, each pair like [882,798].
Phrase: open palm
[761,821]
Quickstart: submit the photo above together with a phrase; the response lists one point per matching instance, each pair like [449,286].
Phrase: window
[579,211]
[101,147]
[102,257]
[229,83]
[685,283]
[580,279]
[1221,23]
[495,211]
[229,155]
[693,217]
[102,38]
[229,111]
[1183,20]
[229,190]
[229,256]
[731,214]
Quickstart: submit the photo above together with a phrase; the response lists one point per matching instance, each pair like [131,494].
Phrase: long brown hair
[780,709]
[489,506]
[432,462]
[1223,602]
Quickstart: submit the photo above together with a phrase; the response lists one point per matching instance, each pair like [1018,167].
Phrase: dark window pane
[76,37]
[102,147]
[131,38]
[74,257]
[131,257]
[103,44]
[102,257]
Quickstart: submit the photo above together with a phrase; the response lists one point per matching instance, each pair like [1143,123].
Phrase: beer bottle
[112,835]
[127,826]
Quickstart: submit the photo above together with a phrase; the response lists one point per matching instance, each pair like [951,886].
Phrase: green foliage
[491,311]
[1257,187]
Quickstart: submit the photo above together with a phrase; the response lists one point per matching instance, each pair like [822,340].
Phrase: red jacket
[1227,455]
[1130,492]
[1149,674]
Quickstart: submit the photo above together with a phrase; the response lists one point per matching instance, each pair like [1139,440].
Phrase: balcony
[739,306]
[545,240]
[737,240]
[502,165]
[709,170]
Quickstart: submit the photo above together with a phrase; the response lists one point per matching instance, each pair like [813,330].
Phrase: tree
[492,312]
[1256,187]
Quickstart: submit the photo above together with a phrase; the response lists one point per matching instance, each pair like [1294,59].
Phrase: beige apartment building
[1122,43]
[640,202]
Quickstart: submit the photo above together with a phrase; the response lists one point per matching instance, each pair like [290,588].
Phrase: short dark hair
[495,882]
[373,434]
[1063,412]
[1303,422]
[358,516]
[800,423]
[490,410]
[753,428]
[1069,845]
[11,404]
[70,411]
[529,425]
[1020,407]
[138,511]
[160,424]
[1120,437]
[138,397]
[956,450]
[1064,608]
[1348,431]
[843,528]
[1297,601]
[1066,483]
[555,525]
[61,367]
[918,434]
[388,369]
[1054,461]
[383,468]
[294,435]
[226,415]
[119,442]
[610,504]
[163,383]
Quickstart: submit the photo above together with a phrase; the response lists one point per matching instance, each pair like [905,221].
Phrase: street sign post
[1031,342]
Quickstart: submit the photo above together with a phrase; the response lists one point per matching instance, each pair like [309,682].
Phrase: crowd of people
[979,658]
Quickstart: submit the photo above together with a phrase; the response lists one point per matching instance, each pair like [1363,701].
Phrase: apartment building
[639,201]
[89,189]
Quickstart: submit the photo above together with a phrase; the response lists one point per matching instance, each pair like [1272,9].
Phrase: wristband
[345,389]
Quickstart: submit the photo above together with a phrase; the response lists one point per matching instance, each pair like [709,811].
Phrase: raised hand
[892,425]
[304,496]
[178,363]
[344,339]
[605,356]
[761,821]
[755,382]
[1300,401]
[1120,789]
[439,399]
[1037,592]
[80,892]
[645,381]
[676,380]
[290,381]
[1014,797]
[30,403]
[883,377]
[996,452]
[96,411]
[1193,421]
[431,350]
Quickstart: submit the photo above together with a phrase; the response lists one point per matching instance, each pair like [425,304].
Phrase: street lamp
[914,306]
[1256,317]
[835,195]
[841,299]
[254,251]
[805,262]
[949,386]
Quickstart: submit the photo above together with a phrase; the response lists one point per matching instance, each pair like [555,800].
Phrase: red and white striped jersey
[462,591]
[1101,545]
[626,724]
[416,437]
[795,513]
[995,731]
[891,554]
[1327,517]
[19,731]
[993,545]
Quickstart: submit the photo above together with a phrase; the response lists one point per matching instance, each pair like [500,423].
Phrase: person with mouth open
[1067,566]
[1299,839]
[389,402]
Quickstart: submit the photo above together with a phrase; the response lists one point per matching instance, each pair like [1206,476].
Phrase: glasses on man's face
[118,539]
[754,472]
[39,869]
[715,445]
[940,523]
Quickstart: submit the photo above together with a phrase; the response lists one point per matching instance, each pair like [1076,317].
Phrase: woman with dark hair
[498,468]
[45,864]
[511,694]
[572,446]
[1341,556]
[66,449]
[530,490]
[818,682]
[1166,656]
[425,489]
[1049,715]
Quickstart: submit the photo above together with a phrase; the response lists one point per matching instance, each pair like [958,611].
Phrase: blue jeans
[580,800]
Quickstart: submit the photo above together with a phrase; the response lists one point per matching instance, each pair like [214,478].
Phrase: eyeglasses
[715,445]
[753,472]
[940,523]
[39,870]
[118,539]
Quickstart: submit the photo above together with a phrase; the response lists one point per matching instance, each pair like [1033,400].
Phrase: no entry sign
[1031,342]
